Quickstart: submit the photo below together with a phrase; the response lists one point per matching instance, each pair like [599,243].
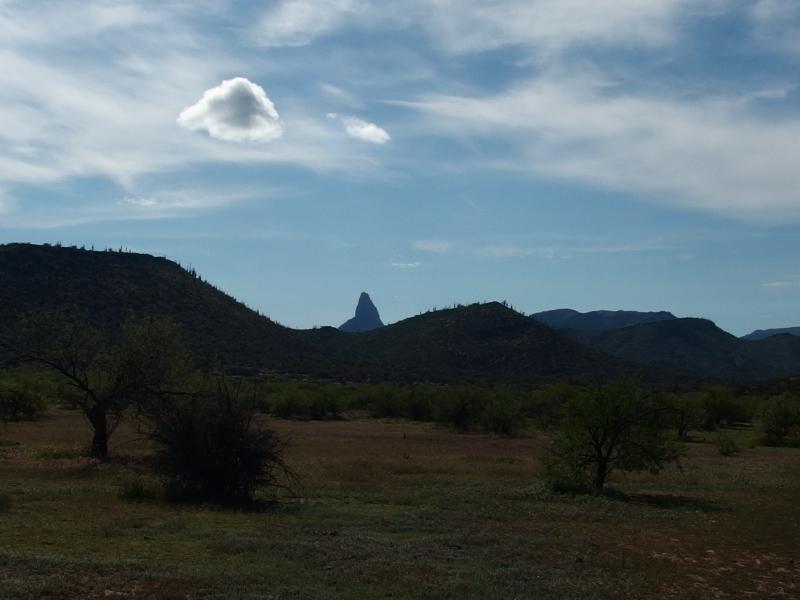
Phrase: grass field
[397,510]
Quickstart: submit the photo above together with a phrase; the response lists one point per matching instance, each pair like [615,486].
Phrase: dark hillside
[484,343]
[597,320]
[474,343]
[760,334]
[112,286]
[699,346]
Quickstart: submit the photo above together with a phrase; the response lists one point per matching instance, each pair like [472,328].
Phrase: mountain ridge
[599,320]
[760,334]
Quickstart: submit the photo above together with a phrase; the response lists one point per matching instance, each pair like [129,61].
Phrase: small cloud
[406,265]
[435,246]
[299,22]
[237,110]
[362,130]
[339,94]
[6,204]
[511,251]
[785,284]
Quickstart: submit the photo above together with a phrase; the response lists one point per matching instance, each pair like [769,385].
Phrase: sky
[590,154]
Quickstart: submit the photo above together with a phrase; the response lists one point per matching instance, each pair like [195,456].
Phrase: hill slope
[598,320]
[112,286]
[699,346]
[760,334]
[485,343]
[473,343]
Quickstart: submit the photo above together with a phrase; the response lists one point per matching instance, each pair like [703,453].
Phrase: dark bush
[306,402]
[726,445]
[721,407]
[136,491]
[503,414]
[210,447]
[780,422]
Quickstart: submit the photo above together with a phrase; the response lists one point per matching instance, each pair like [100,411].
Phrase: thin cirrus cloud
[708,154]
[298,22]
[405,265]
[777,24]
[362,130]
[784,284]
[237,110]
[434,246]
[458,26]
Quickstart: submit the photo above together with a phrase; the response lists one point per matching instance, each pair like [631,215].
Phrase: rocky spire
[366,317]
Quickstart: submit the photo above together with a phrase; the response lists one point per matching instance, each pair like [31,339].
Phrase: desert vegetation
[148,470]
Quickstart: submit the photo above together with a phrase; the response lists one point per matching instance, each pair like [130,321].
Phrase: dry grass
[402,510]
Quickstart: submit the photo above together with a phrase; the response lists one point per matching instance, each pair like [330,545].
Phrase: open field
[400,510]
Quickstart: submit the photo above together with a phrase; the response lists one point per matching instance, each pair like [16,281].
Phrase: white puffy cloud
[362,130]
[435,246]
[237,110]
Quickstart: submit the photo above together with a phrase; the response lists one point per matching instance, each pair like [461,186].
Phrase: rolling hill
[467,343]
[699,346]
[598,320]
[112,286]
[760,334]
[482,343]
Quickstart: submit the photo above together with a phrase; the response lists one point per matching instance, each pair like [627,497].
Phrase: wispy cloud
[708,154]
[456,26]
[777,24]
[159,204]
[405,265]
[339,95]
[557,252]
[784,284]
[435,246]
[298,22]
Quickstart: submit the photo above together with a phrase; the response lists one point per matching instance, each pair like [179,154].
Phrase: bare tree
[105,378]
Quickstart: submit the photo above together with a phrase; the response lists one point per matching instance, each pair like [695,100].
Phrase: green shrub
[780,422]
[211,448]
[60,453]
[503,414]
[607,428]
[19,405]
[726,444]
[136,491]
[720,407]
[460,407]
[300,402]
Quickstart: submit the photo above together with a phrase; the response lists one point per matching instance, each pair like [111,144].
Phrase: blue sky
[554,153]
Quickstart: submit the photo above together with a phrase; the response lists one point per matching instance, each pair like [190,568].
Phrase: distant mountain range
[598,320]
[698,345]
[481,343]
[760,334]
[366,317]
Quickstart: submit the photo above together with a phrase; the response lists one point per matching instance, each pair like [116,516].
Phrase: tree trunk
[600,476]
[99,449]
